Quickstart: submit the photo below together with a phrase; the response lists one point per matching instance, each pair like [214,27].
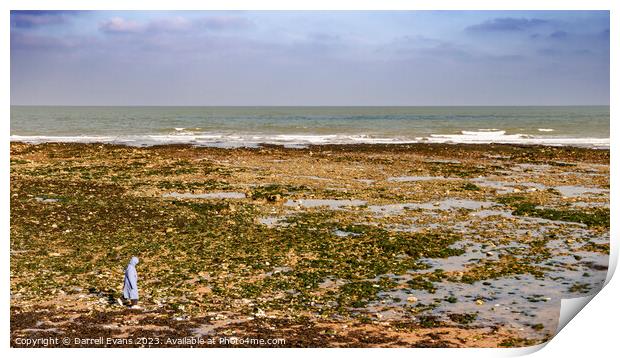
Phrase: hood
[134,261]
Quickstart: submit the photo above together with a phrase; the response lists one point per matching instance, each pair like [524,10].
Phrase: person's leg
[134,302]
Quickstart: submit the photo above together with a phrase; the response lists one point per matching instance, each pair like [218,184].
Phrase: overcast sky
[310,58]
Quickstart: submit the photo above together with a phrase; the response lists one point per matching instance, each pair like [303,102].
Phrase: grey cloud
[558,35]
[22,41]
[225,23]
[420,46]
[172,24]
[506,24]
[548,51]
[31,19]
[323,37]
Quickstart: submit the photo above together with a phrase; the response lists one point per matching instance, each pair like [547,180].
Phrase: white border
[593,332]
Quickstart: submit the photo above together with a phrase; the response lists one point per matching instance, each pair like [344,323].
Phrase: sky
[296,58]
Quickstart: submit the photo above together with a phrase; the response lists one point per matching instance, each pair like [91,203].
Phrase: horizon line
[309,106]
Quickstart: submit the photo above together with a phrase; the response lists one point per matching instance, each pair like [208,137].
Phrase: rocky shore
[415,245]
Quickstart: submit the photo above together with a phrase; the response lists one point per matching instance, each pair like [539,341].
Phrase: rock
[479,302]
[274,198]
[44,200]
[259,313]
[516,190]
[412,299]
[54,226]
[489,253]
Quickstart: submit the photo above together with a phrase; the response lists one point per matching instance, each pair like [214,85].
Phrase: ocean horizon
[250,126]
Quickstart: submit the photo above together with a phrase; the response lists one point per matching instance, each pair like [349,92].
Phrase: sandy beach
[420,245]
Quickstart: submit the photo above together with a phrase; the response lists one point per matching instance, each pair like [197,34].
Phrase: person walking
[130,286]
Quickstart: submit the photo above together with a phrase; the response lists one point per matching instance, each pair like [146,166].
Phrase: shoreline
[464,245]
[302,146]
[154,140]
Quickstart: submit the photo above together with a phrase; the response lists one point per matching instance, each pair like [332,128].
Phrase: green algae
[580,288]
[594,217]
[517,342]
[463,318]
[506,266]
[428,321]
[471,187]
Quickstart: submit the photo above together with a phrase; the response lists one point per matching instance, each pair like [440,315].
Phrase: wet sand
[346,245]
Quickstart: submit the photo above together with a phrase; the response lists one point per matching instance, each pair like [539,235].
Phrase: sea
[586,126]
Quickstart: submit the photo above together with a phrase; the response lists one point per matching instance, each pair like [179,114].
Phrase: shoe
[136,307]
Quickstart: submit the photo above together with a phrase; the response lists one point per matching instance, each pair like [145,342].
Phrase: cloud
[559,35]
[506,24]
[118,25]
[548,51]
[420,46]
[323,37]
[604,34]
[225,23]
[44,42]
[172,24]
[30,19]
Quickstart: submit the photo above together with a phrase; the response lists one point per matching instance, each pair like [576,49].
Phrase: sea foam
[229,140]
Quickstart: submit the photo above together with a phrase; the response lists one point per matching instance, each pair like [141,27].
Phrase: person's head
[134,261]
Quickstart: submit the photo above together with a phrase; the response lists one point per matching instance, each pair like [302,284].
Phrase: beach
[331,245]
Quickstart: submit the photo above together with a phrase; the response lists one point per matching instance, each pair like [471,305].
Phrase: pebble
[412,299]
[259,313]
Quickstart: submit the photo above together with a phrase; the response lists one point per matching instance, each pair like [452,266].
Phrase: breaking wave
[181,136]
